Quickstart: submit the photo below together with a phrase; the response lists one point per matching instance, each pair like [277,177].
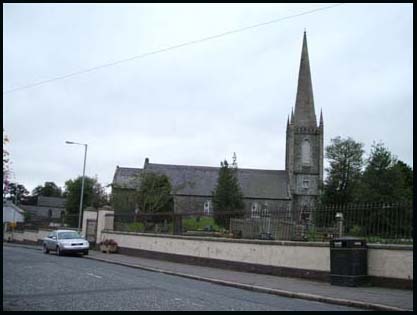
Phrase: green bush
[356,230]
[312,235]
[199,224]
[136,227]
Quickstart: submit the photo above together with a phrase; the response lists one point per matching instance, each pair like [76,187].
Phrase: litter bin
[348,261]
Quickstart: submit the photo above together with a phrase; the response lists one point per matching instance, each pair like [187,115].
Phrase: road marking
[93,275]
[197,304]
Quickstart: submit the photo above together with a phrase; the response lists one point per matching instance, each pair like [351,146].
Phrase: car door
[47,240]
[52,241]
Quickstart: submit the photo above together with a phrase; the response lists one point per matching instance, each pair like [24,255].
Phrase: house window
[306,184]
[49,213]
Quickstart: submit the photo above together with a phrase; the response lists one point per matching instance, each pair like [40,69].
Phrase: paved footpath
[373,298]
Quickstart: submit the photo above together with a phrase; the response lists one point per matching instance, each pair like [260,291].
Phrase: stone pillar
[89,214]
[104,222]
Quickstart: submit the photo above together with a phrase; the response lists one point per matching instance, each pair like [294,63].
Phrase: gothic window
[254,210]
[207,207]
[306,153]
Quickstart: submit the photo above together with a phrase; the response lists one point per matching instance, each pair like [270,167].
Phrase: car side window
[50,235]
[53,234]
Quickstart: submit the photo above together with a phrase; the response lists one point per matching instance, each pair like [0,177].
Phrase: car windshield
[68,235]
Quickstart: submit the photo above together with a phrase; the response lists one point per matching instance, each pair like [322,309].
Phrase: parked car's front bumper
[74,249]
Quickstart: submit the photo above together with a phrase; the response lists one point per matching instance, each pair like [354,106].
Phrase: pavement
[371,298]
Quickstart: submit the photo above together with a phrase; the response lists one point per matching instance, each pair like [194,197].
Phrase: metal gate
[91,233]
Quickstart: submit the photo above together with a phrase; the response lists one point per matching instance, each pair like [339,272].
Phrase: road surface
[33,281]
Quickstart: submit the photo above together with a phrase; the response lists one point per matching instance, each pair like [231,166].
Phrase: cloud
[197,104]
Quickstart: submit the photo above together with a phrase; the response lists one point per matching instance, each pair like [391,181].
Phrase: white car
[65,241]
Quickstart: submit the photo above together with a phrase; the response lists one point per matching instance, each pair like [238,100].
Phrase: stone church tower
[304,148]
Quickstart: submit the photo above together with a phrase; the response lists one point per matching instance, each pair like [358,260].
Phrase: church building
[291,190]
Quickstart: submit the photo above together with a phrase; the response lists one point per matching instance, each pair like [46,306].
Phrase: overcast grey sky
[196,104]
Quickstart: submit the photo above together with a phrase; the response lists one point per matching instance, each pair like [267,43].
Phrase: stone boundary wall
[28,236]
[388,265]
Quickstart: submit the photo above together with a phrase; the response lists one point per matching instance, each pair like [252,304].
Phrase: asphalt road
[33,281]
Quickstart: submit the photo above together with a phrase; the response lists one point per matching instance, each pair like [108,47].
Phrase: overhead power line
[193,42]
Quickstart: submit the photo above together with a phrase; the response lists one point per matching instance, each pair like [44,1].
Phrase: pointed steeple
[304,105]
[321,118]
[292,116]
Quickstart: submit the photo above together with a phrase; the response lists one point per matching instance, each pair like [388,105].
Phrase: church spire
[321,117]
[304,105]
[292,116]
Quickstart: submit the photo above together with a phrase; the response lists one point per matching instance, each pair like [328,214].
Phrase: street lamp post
[82,182]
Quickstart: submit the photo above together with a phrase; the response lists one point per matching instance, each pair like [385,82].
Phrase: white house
[12,213]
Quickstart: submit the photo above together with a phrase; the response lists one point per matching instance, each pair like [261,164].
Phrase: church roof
[202,180]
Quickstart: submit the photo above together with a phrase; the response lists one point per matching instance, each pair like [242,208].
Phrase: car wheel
[45,249]
[59,251]
[86,252]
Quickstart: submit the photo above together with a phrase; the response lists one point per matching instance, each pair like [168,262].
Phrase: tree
[154,194]
[346,162]
[407,178]
[385,179]
[16,193]
[50,189]
[94,196]
[227,196]
[6,165]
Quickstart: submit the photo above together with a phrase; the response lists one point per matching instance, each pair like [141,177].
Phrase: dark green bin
[348,262]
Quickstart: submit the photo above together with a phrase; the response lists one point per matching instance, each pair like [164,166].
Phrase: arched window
[255,210]
[306,152]
[207,207]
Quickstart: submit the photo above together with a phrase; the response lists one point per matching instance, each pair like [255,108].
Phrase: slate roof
[55,202]
[202,180]
[125,177]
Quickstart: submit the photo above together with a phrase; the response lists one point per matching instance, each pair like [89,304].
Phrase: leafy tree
[50,189]
[17,192]
[6,164]
[94,196]
[385,179]
[5,155]
[154,195]
[227,196]
[407,178]
[346,163]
